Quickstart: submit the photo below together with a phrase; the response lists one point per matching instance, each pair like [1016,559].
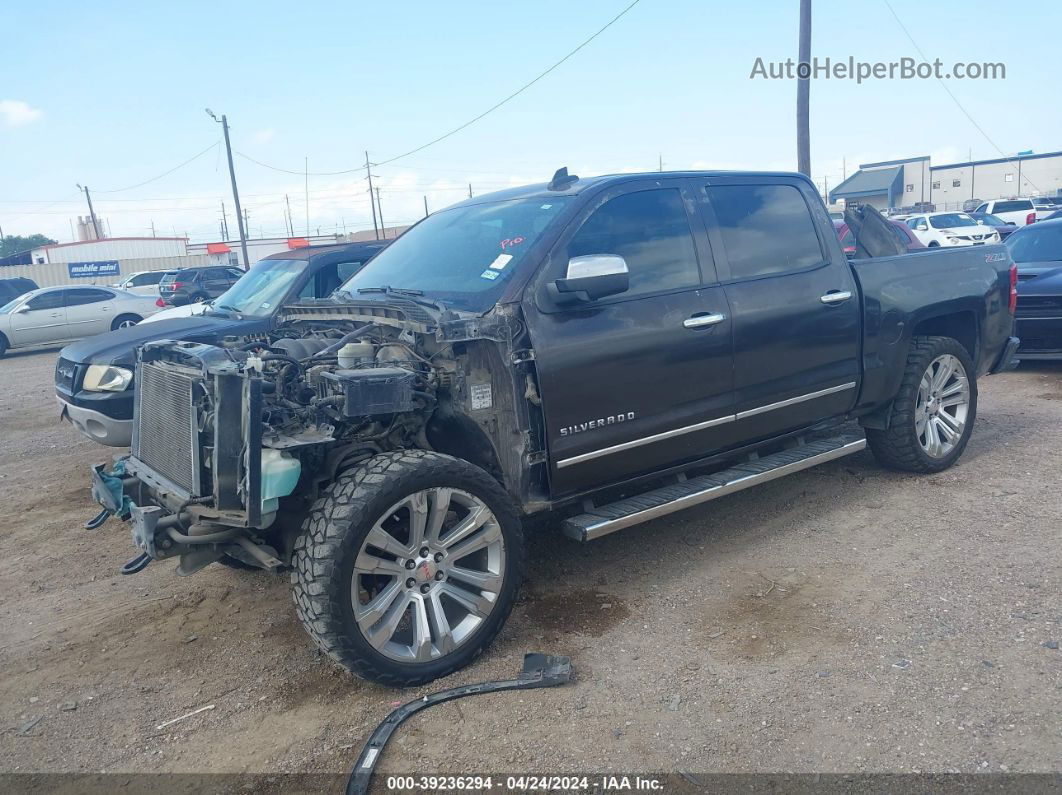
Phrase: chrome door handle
[836,296]
[702,321]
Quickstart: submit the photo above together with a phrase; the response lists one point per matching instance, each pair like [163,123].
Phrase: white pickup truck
[1020,211]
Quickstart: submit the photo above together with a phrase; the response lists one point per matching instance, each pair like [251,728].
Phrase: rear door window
[76,296]
[766,229]
[1012,206]
[651,231]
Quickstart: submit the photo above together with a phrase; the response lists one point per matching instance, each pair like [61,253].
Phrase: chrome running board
[667,499]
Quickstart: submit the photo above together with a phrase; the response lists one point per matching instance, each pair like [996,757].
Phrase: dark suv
[196,285]
[13,288]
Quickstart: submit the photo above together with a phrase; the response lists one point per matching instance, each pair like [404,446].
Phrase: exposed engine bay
[232,444]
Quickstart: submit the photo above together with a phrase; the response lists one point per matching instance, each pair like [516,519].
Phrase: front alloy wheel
[428,575]
[407,566]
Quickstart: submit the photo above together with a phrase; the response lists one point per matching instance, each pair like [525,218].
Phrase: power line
[164,173]
[468,123]
[300,172]
[954,99]
[516,93]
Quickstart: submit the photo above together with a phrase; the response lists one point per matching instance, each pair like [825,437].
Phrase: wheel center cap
[425,571]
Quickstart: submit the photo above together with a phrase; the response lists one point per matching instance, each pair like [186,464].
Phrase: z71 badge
[601,422]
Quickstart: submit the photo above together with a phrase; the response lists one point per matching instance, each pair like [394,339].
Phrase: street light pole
[224,122]
[804,91]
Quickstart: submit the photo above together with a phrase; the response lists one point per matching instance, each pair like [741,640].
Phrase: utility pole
[661,162]
[92,213]
[804,92]
[246,221]
[470,190]
[306,188]
[224,222]
[380,207]
[425,206]
[291,225]
[153,227]
[224,122]
[368,175]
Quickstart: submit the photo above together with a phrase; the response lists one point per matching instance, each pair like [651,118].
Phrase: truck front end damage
[231,445]
[200,481]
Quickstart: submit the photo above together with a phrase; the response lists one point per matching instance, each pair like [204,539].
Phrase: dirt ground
[844,619]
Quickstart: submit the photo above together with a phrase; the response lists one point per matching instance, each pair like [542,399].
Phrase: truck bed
[908,294]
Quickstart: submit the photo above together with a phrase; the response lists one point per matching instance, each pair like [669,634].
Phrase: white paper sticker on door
[481,396]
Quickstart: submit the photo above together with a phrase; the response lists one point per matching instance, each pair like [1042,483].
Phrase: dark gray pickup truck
[605,350]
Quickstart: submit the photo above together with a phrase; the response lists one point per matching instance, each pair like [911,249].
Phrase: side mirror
[592,277]
[22,309]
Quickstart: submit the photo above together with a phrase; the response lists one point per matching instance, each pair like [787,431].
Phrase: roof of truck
[579,185]
[306,252]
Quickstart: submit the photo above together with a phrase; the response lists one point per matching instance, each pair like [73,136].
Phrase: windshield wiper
[225,309]
[404,292]
[386,289]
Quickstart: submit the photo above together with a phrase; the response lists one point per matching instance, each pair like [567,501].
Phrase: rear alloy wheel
[199,298]
[125,321]
[408,566]
[942,406]
[933,413]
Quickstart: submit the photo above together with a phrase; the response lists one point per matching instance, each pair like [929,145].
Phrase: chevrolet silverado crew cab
[94,381]
[603,350]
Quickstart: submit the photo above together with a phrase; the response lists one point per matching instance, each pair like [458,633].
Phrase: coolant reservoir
[280,473]
[355,353]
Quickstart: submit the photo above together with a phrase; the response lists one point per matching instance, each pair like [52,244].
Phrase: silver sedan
[61,314]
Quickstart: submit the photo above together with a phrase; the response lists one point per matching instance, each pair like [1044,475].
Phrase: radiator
[166,435]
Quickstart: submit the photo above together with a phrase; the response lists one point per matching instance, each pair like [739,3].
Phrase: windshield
[6,308]
[462,256]
[949,220]
[1037,243]
[264,287]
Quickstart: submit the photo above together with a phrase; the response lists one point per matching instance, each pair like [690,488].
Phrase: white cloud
[261,137]
[15,112]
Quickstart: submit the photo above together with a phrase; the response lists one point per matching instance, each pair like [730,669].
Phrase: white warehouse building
[113,248]
[895,184]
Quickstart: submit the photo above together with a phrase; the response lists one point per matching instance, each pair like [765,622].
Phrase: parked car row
[61,314]
[102,409]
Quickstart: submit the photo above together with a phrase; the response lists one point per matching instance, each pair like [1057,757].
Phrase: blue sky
[109,94]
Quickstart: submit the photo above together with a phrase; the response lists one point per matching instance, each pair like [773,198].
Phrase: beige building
[895,184]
